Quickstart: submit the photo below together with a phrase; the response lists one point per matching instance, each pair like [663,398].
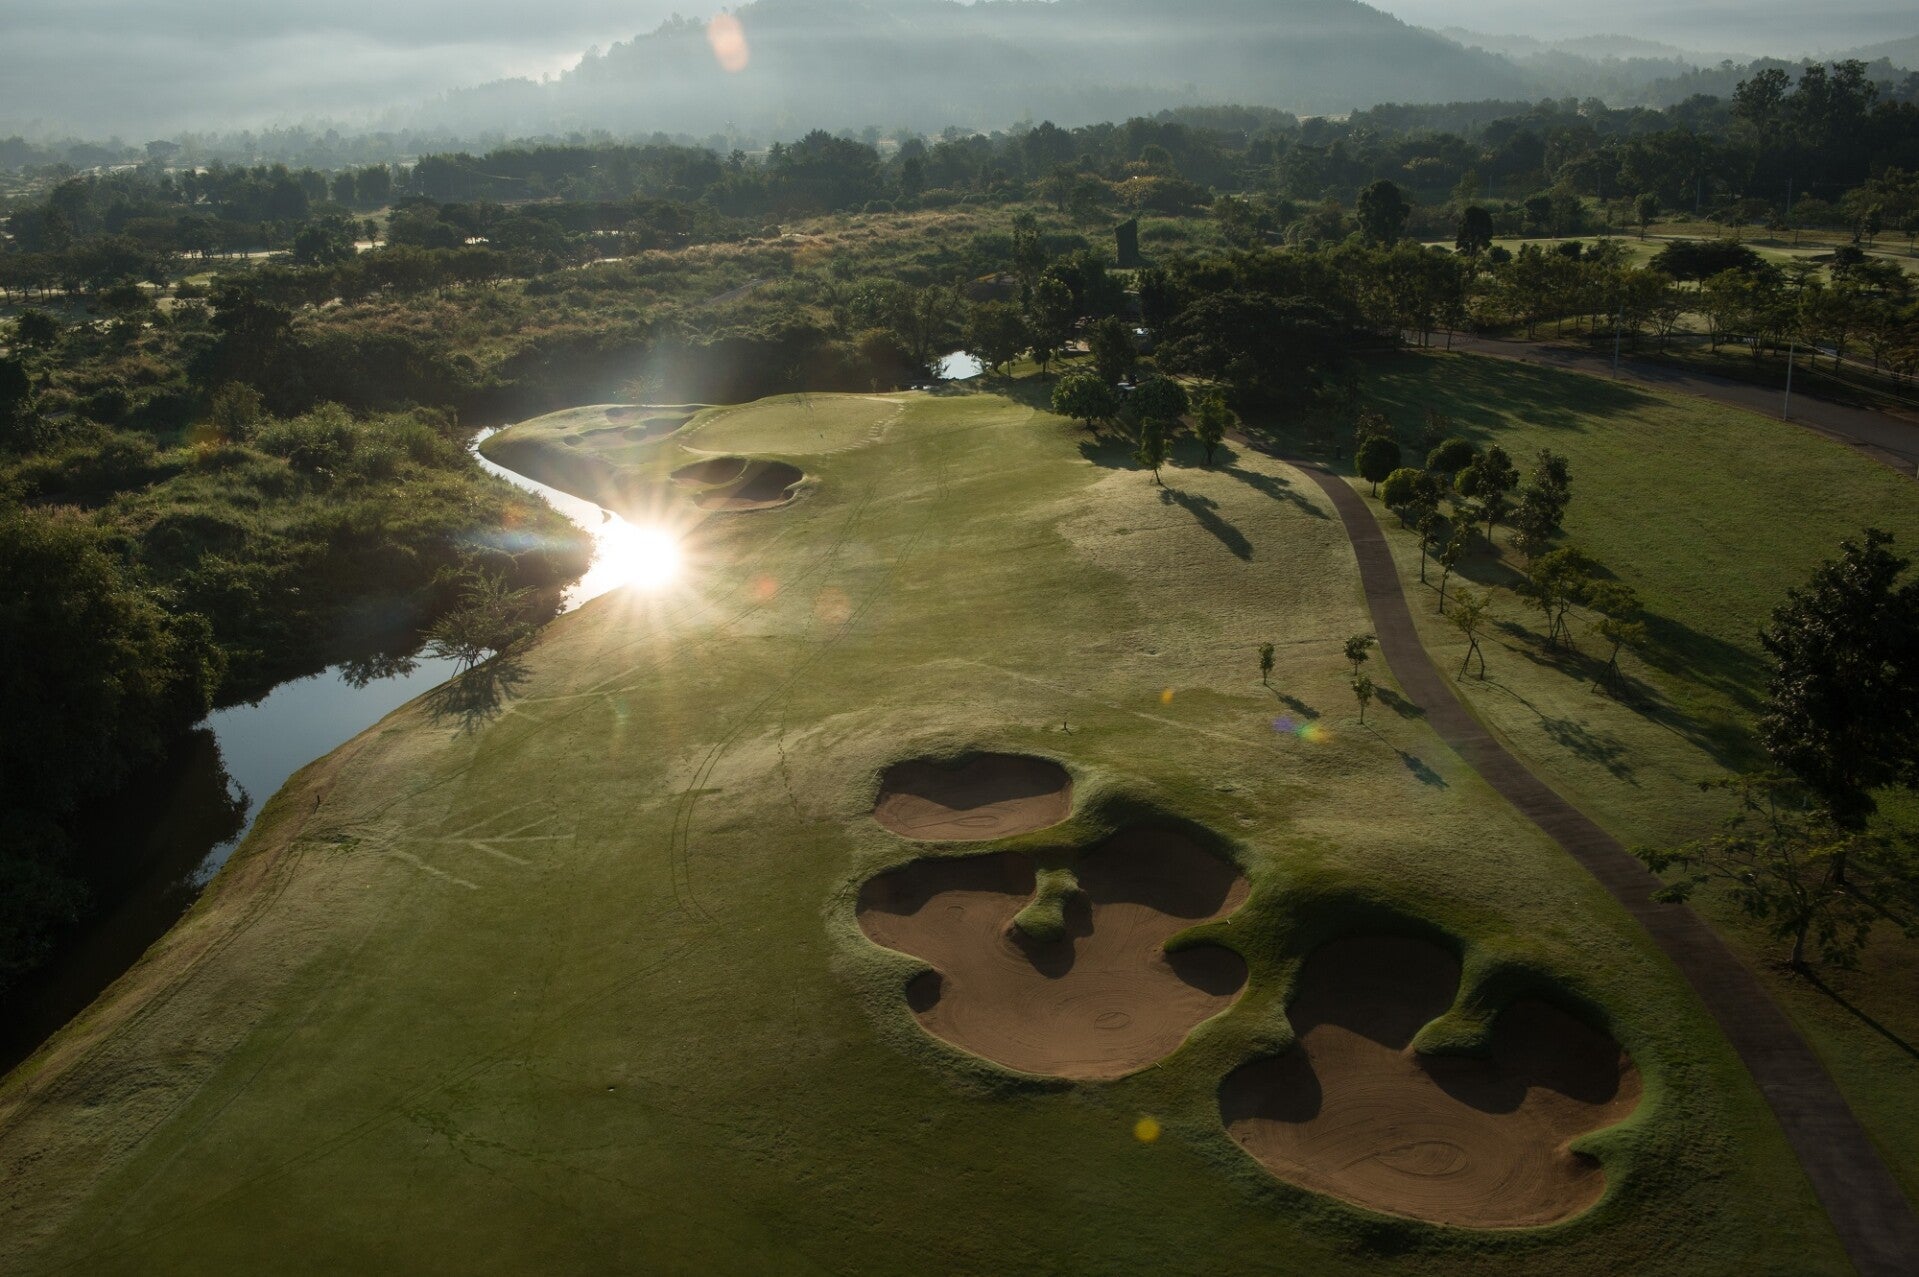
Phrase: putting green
[796,425]
[563,970]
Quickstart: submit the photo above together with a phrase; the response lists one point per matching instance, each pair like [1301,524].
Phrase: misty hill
[928,64]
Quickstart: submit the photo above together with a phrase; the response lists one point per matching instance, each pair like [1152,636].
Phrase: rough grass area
[1711,513]
[562,971]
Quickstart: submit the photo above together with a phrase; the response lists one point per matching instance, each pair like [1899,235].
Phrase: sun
[645,558]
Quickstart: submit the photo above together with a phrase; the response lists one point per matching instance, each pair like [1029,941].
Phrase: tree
[1789,865]
[1843,698]
[1363,692]
[1618,625]
[1427,525]
[1468,617]
[235,411]
[1408,490]
[1450,457]
[1489,480]
[1212,420]
[488,617]
[1382,212]
[1645,209]
[1153,446]
[1049,320]
[1161,401]
[1266,664]
[1475,231]
[996,334]
[1451,555]
[1376,459]
[1359,650]
[1110,341]
[1542,505]
[1085,397]
[1556,582]
[35,330]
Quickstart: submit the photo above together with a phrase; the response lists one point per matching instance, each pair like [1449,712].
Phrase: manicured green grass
[569,979]
[1711,514]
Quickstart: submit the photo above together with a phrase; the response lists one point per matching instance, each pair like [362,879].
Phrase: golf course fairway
[561,968]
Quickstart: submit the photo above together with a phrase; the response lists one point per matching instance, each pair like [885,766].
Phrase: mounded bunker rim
[759,485]
[1471,1141]
[977,798]
[1102,1001]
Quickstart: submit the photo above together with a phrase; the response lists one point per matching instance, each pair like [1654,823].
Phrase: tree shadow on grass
[1583,742]
[1481,397]
[1398,704]
[1836,996]
[1294,704]
[476,697]
[1273,486]
[1205,510]
[1421,770]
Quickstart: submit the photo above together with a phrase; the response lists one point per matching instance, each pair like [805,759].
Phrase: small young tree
[1266,653]
[1376,459]
[235,411]
[487,617]
[1645,209]
[1049,319]
[1618,625]
[1428,526]
[1363,692]
[1402,490]
[1212,420]
[1153,446]
[1468,617]
[1489,481]
[1556,582]
[1085,397]
[1451,555]
[1359,650]
[1778,858]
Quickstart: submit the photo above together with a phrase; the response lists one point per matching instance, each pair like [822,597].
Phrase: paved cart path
[1874,1220]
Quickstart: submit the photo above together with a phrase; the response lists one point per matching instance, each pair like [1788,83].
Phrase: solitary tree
[1489,481]
[1049,319]
[1645,209]
[1153,446]
[1787,864]
[488,617]
[1161,400]
[1377,458]
[1212,420]
[1843,712]
[1359,650]
[1266,664]
[35,330]
[1363,692]
[1475,231]
[1427,525]
[1085,397]
[1468,616]
[1556,582]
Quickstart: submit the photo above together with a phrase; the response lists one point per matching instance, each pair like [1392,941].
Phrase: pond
[155,847]
[959,366]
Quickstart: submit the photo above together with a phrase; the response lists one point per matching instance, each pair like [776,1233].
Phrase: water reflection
[153,848]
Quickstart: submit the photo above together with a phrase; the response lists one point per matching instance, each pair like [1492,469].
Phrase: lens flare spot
[1166,697]
[728,39]
[765,588]
[1146,1130]
[646,558]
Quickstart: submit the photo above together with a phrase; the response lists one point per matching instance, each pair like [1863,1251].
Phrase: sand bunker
[733,484]
[981,798]
[709,474]
[1104,1000]
[1475,1142]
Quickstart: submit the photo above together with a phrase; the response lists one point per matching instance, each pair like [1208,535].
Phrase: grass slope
[1711,513]
[569,979]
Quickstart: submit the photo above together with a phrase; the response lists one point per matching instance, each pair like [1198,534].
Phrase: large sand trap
[976,800]
[1101,1002]
[734,484]
[1480,1143]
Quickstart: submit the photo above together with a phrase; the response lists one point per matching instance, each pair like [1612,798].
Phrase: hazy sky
[141,68]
